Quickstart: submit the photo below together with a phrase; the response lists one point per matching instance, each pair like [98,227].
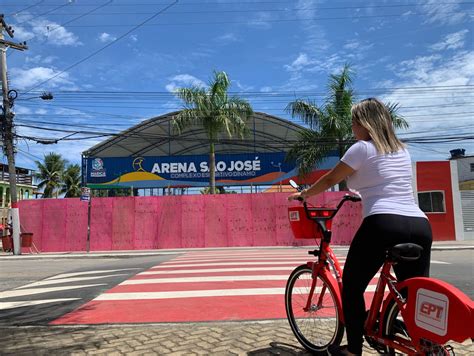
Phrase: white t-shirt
[384,181]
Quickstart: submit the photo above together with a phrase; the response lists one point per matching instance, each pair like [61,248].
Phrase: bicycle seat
[404,252]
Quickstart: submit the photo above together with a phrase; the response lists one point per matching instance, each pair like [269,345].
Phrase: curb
[131,254]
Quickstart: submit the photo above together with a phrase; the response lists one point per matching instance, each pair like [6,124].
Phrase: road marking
[27,303]
[206,279]
[67,275]
[46,282]
[293,263]
[23,292]
[299,258]
[149,272]
[201,293]
[439,262]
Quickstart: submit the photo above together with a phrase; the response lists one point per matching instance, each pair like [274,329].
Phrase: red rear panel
[437,311]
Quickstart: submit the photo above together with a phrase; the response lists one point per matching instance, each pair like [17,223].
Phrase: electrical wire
[104,47]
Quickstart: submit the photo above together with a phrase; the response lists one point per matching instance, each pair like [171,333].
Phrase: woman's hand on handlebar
[298,196]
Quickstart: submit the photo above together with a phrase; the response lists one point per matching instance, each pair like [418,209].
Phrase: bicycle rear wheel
[395,326]
[320,326]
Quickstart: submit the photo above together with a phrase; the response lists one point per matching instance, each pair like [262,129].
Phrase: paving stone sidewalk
[223,338]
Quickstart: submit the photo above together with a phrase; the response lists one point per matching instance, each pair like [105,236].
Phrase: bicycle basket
[304,227]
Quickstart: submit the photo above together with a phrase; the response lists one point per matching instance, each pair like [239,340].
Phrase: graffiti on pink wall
[192,221]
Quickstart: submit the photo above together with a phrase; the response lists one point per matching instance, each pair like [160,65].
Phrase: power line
[319,8]
[104,47]
[255,21]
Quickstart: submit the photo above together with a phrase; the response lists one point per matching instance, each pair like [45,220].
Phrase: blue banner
[164,171]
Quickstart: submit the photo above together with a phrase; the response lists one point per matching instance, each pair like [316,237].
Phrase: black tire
[394,325]
[320,327]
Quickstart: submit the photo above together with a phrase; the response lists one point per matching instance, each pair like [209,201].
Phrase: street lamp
[279,170]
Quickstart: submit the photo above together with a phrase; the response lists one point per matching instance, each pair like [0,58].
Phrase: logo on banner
[137,164]
[432,311]
[98,168]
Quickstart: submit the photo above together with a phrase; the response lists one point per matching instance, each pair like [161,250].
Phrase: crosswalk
[200,286]
[45,291]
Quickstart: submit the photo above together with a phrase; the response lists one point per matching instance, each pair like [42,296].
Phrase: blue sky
[107,73]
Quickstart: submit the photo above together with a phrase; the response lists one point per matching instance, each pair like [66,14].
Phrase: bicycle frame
[460,305]
[433,311]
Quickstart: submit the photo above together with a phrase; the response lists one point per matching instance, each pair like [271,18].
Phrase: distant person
[379,167]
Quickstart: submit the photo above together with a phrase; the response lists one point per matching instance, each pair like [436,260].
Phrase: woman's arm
[331,178]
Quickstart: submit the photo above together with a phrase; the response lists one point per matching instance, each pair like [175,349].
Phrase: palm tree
[329,124]
[71,181]
[216,112]
[50,174]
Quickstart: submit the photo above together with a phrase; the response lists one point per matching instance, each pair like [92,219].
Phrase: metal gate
[467,203]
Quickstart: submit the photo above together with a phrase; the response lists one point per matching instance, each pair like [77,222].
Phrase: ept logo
[432,311]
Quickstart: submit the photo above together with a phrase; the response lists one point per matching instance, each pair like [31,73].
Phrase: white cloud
[49,31]
[26,78]
[452,41]
[266,89]
[227,38]
[241,86]
[299,63]
[431,110]
[260,21]
[134,38]
[183,81]
[443,12]
[106,37]
[38,59]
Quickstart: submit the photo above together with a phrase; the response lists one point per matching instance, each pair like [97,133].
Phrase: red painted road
[199,286]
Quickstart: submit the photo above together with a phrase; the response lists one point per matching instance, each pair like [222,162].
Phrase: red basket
[304,227]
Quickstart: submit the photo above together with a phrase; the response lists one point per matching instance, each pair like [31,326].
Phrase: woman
[379,167]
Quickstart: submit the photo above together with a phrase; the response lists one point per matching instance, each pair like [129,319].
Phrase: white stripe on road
[439,262]
[27,303]
[293,263]
[213,270]
[46,282]
[272,277]
[22,292]
[67,275]
[200,293]
[301,259]
[277,277]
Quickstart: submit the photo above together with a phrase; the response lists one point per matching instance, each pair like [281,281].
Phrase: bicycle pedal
[314,253]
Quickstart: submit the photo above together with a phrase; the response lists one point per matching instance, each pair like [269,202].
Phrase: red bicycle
[416,316]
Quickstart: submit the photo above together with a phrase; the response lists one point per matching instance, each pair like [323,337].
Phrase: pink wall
[141,223]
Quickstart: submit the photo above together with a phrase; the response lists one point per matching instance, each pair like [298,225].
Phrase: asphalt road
[17,273]
[455,267]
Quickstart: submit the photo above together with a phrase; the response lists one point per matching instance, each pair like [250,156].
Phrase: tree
[216,112]
[50,173]
[71,181]
[329,124]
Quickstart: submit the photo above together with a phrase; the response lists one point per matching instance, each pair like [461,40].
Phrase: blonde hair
[374,116]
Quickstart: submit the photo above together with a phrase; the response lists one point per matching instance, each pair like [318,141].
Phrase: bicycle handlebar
[347,197]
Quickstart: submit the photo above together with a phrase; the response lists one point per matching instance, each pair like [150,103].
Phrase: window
[472,167]
[432,202]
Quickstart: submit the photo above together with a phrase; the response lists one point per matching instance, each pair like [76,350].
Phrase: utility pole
[7,131]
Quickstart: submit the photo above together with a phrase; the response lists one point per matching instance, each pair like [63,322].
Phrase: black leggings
[367,254]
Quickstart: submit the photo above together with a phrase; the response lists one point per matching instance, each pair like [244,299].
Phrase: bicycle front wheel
[318,326]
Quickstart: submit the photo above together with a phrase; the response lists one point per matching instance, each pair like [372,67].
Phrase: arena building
[153,156]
